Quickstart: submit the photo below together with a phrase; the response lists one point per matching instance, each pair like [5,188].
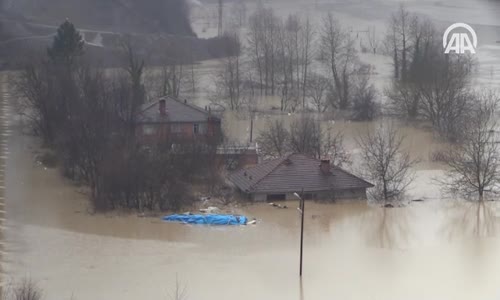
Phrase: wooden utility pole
[301,235]
[301,209]
[252,114]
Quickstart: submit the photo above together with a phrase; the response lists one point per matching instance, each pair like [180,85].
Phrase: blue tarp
[212,219]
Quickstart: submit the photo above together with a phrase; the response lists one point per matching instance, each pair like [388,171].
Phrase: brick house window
[196,128]
[176,128]
[148,129]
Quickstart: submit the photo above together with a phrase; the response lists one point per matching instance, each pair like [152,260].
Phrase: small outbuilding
[280,178]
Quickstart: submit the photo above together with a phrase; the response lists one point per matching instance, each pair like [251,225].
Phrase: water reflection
[301,290]
[387,227]
[472,219]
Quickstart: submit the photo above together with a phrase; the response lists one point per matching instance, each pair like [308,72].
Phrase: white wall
[338,195]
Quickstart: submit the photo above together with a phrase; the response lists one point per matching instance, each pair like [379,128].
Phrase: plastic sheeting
[212,219]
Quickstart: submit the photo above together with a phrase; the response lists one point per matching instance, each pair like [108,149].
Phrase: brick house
[280,178]
[174,121]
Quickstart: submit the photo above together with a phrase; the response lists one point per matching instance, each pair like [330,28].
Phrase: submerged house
[175,121]
[279,178]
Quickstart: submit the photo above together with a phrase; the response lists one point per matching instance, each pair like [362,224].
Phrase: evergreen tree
[67,45]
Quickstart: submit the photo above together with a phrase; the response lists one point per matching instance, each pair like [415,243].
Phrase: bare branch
[474,162]
[386,163]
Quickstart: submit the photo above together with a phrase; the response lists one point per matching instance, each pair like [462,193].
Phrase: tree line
[278,59]
[318,68]
[87,119]
[427,84]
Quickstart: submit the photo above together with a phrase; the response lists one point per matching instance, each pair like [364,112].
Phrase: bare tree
[305,136]
[474,163]
[289,62]
[82,114]
[364,105]
[26,290]
[47,84]
[333,148]
[281,52]
[404,100]
[386,163]
[424,40]
[317,89]
[172,75]
[307,54]
[391,47]
[229,80]
[34,86]
[175,73]
[338,52]
[399,41]
[264,28]
[84,137]
[255,41]
[135,69]
[372,40]
[308,136]
[229,83]
[239,13]
[444,99]
[434,84]
[134,66]
[274,141]
[180,292]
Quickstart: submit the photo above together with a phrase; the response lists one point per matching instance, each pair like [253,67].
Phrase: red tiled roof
[292,173]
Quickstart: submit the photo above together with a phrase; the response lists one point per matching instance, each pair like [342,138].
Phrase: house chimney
[163,107]
[325,166]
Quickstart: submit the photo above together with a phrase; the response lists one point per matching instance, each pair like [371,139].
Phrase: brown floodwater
[435,249]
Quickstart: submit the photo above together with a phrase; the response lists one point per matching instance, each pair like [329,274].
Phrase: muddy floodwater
[429,250]
[436,248]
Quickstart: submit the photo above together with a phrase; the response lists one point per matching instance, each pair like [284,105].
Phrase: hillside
[27,27]
[123,16]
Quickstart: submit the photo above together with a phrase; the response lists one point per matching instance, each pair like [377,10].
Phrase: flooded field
[429,249]
[352,251]
[362,15]
[432,249]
